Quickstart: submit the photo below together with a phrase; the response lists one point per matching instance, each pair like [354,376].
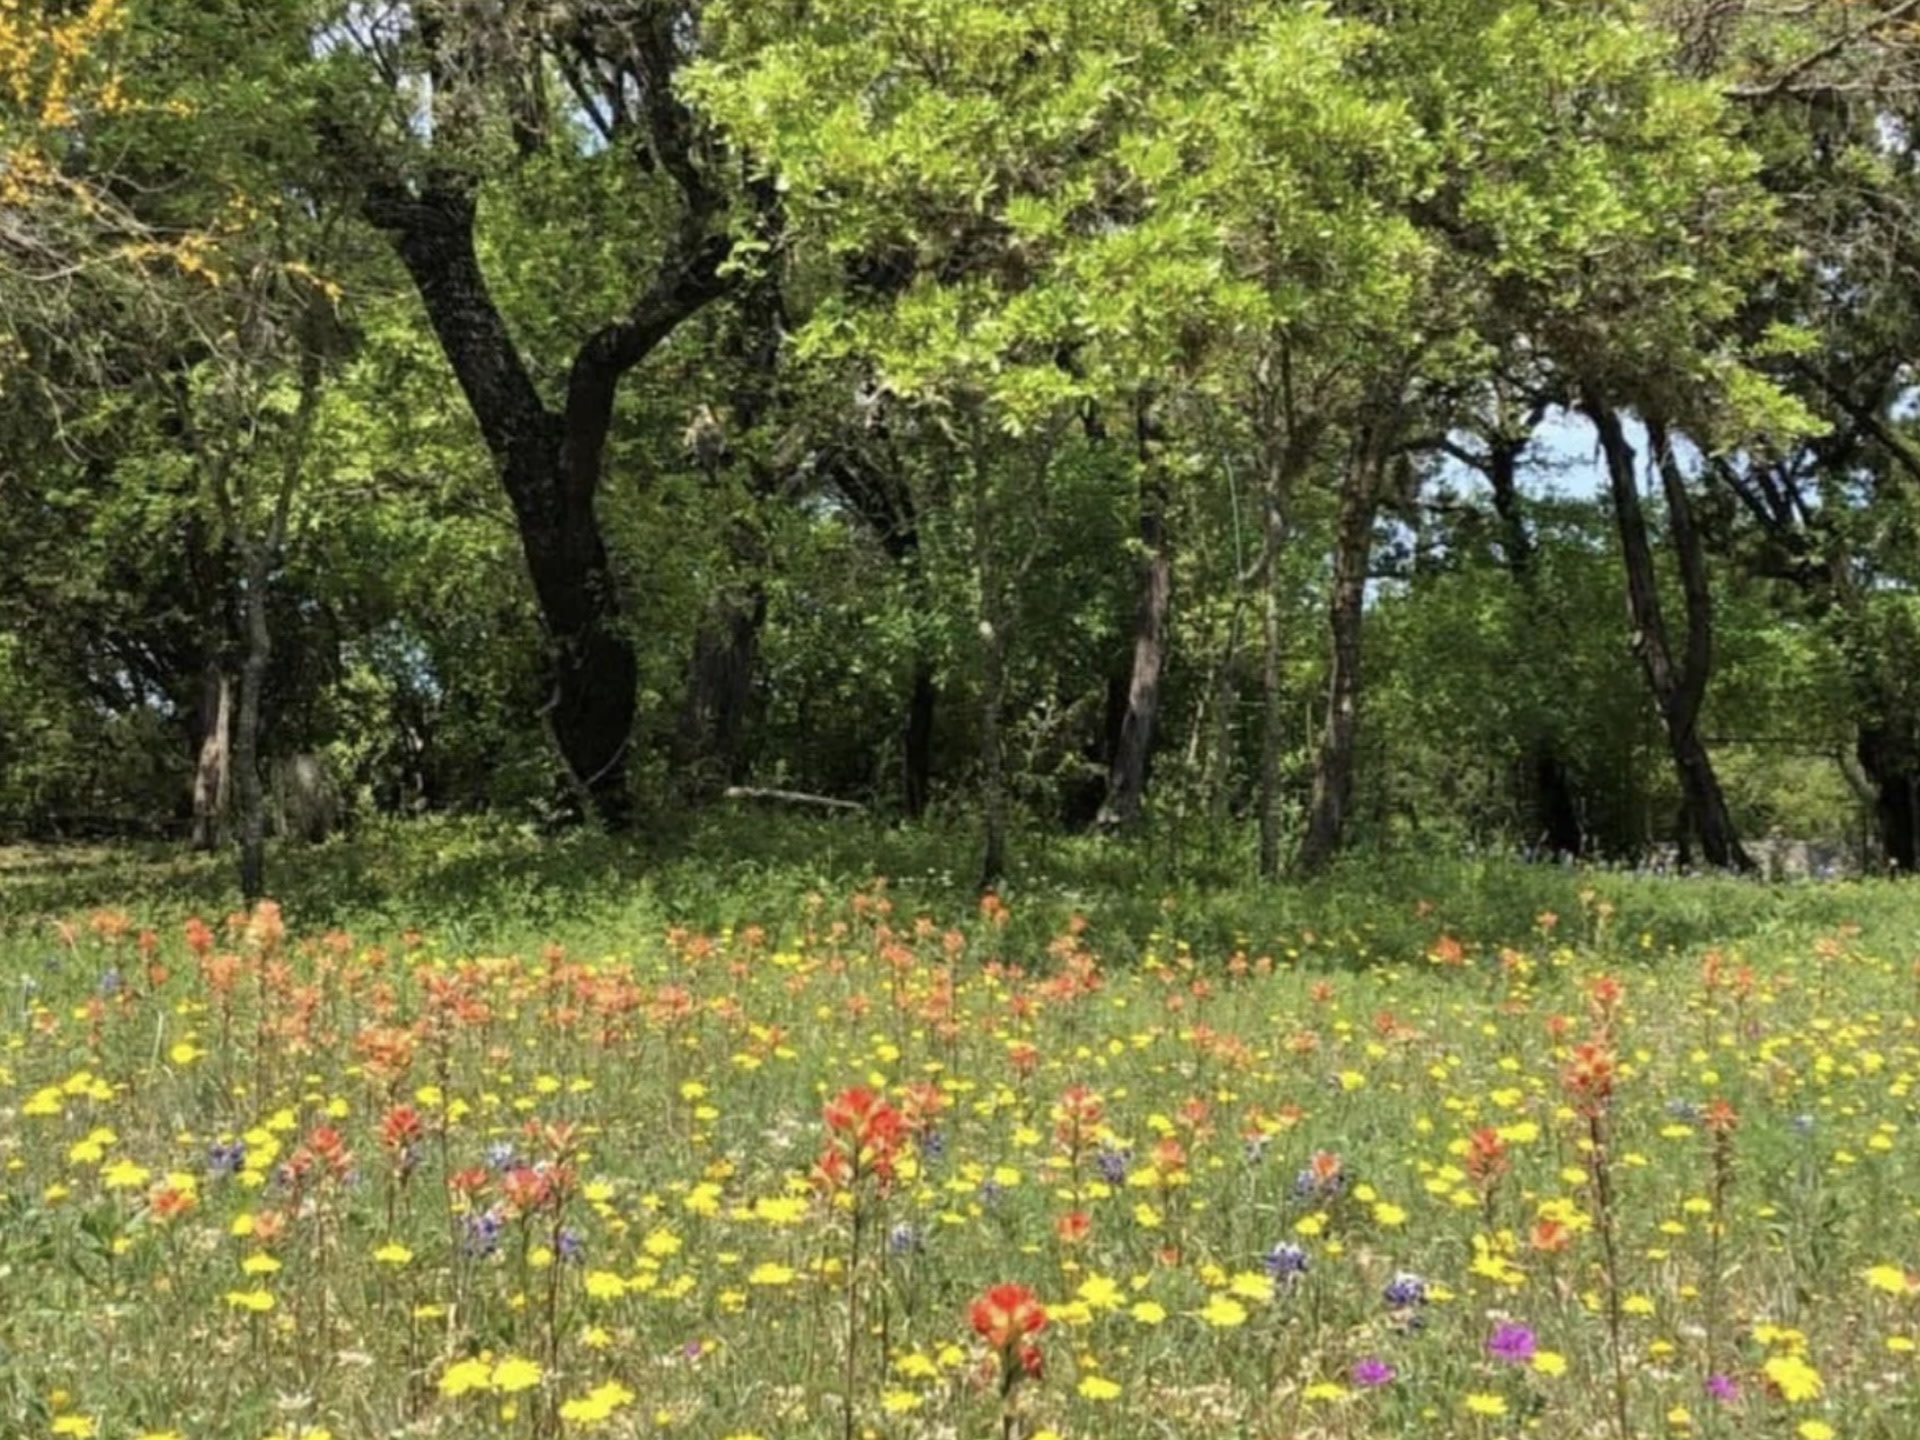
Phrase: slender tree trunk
[995,619]
[257,563]
[1554,816]
[212,771]
[1360,495]
[1271,718]
[726,647]
[1286,440]
[1127,777]
[1678,684]
[993,755]
[713,723]
[916,764]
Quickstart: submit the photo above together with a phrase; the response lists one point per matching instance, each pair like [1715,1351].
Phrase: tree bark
[916,760]
[1360,497]
[1892,762]
[1286,438]
[995,619]
[246,740]
[1127,777]
[1679,683]
[212,771]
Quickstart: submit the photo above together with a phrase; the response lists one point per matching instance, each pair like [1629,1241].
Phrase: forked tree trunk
[1678,684]
[1360,496]
[550,460]
[1127,777]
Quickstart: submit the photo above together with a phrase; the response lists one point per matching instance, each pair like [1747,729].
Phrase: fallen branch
[790,797]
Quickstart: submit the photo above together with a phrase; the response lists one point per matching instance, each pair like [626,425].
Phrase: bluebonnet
[500,1155]
[572,1247]
[225,1157]
[1405,1289]
[1112,1164]
[933,1146]
[483,1233]
[1286,1260]
[1307,1184]
[903,1239]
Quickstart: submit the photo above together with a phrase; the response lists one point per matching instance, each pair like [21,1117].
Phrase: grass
[486,1134]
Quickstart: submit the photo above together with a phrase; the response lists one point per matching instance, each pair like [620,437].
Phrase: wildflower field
[861,1171]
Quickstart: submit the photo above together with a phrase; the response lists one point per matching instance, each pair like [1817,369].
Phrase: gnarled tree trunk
[550,461]
[1678,684]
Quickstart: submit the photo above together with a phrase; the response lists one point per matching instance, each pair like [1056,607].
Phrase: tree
[494,108]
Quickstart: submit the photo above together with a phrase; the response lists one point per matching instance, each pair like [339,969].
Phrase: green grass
[486,1184]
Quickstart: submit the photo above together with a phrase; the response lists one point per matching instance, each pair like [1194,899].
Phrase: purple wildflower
[1723,1387]
[1286,1260]
[1371,1371]
[1405,1289]
[1512,1343]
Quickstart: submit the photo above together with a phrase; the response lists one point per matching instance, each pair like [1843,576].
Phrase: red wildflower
[1589,1075]
[1550,1236]
[1005,1315]
[1486,1155]
[1073,1227]
[401,1127]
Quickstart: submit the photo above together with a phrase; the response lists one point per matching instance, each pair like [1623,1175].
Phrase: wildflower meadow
[858,1171]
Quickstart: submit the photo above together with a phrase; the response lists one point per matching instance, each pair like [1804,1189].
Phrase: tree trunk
[1554,811]
[550,463]
[212,770]
[1678,684]
[713,723]
[916,764]
[246,740]
[995,620]
[1271,718]
[993,754]
[1286,439]
[1892,763]
[1360,495]
[1127,777]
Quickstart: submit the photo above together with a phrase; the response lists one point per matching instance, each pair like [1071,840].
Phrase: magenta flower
[1371,1371]
[1512,1343]
[1723,1387]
